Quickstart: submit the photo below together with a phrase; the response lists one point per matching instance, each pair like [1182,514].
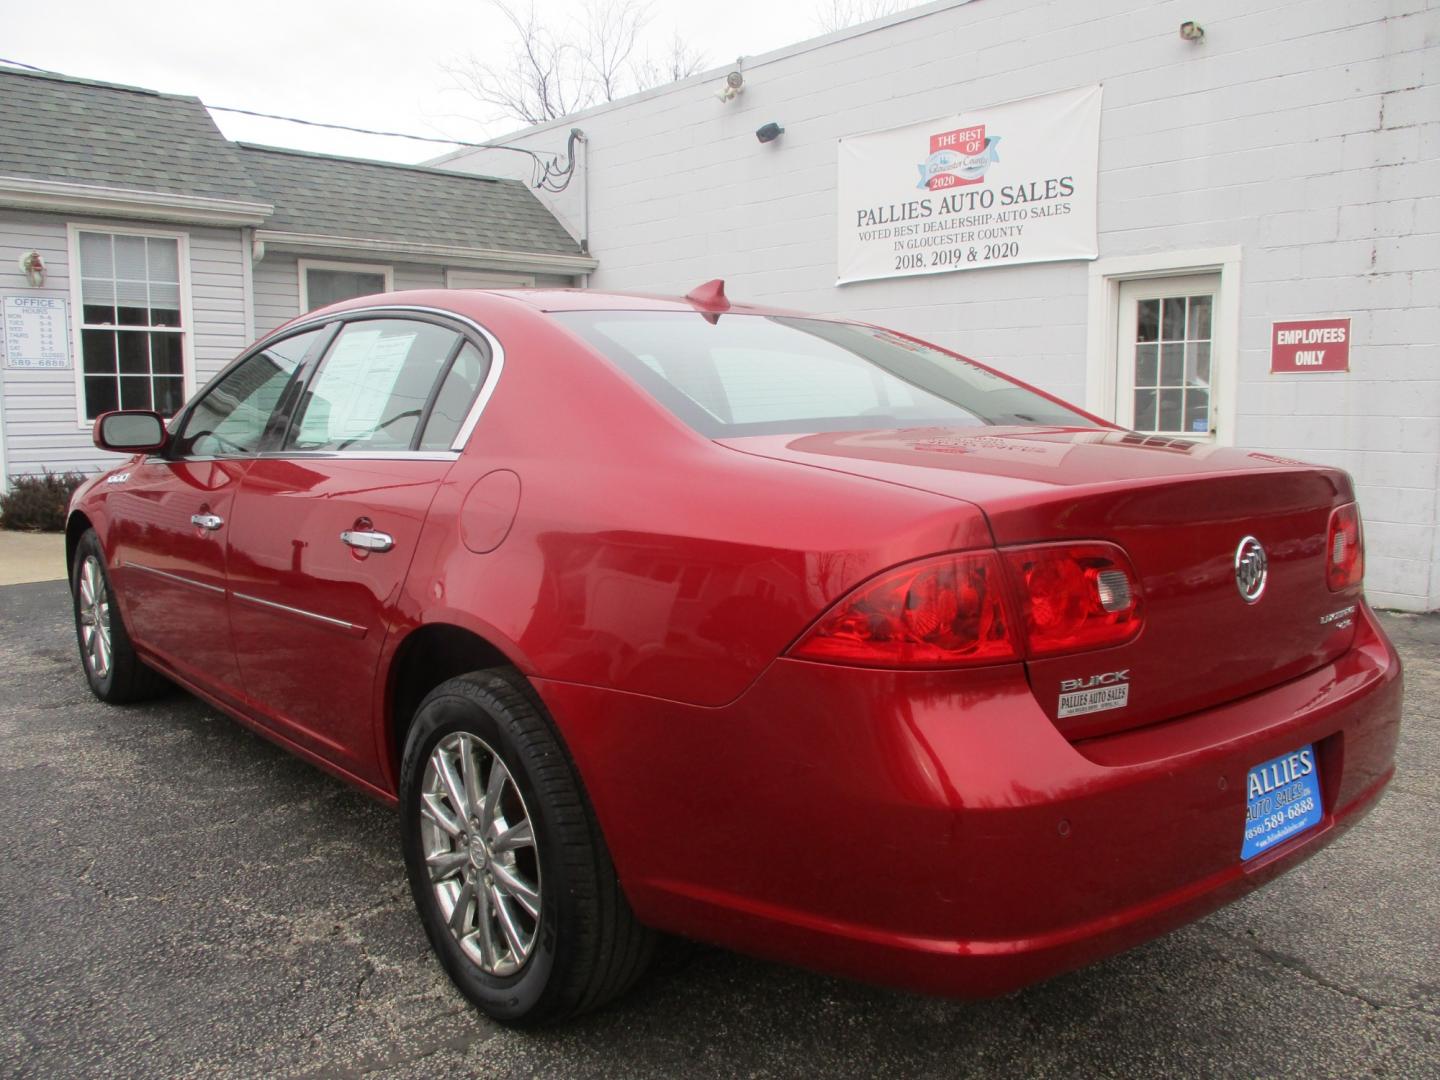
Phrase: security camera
[769,133]
[734,83]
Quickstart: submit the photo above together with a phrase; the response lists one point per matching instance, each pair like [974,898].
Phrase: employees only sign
[1005,185]
[1310,345]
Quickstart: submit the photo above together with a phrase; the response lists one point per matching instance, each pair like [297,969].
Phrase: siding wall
[277,285]
[1305,132]
[31,398]
[277,291]
[41,428]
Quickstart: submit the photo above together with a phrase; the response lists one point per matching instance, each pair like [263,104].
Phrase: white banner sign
[1010,184]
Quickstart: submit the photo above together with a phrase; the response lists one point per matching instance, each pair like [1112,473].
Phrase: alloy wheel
[95,618]
[480,852]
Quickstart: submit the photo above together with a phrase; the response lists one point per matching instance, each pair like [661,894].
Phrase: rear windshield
[767,375]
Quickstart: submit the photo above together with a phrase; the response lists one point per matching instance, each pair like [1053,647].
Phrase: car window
[452,403]
[372,387]
[757,374]
[232,414]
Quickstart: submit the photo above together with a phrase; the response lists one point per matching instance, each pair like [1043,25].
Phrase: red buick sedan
[787,633]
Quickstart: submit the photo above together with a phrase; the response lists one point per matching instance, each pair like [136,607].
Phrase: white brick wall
[1307,132]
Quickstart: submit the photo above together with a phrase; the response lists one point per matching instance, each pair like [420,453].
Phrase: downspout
[247,281]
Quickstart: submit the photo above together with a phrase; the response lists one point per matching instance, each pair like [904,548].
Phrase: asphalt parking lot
[182,898]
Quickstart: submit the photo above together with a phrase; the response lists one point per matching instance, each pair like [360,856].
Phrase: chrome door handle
[207,521]
[367,541]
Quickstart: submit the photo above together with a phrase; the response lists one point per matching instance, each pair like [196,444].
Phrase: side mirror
[132,432]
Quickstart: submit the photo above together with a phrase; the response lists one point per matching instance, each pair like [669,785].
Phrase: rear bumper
[936,832]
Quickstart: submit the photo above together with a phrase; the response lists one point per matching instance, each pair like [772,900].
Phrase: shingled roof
[336,196]
[53,127]
[77,131]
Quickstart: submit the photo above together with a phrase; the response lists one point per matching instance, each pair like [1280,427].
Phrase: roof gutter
[56,196]
[405,250]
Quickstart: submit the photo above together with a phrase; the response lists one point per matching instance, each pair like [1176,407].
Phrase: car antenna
[710,298]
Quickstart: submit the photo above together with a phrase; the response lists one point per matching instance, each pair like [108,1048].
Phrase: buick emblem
[1251,569]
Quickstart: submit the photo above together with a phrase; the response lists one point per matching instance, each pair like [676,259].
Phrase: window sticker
[357,384]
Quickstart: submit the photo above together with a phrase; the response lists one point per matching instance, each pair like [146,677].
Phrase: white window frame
[304,266]
[487,279]
[1103,327]
[73,229]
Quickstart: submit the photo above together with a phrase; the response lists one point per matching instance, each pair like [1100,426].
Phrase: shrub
[38,502]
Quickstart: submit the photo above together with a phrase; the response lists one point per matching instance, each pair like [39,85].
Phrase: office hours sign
[1000,186]
[37,332]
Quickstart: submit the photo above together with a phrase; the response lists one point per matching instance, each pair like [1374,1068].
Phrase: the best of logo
[957,158]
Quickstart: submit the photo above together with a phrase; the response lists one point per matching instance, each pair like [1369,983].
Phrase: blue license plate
[1282,799]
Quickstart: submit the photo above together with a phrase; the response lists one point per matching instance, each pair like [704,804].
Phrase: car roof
[543,301]
[554,300]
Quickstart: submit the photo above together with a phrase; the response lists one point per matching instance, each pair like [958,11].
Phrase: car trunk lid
[1180,510]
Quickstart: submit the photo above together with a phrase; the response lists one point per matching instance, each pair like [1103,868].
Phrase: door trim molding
[352,629]
[168,576]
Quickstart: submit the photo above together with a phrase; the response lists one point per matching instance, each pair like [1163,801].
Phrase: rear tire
[509,871]
[115,673]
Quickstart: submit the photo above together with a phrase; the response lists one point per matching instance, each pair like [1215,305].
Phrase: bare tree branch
[539,80]
[550,71]
[611,29]
[839,14]
[676,61]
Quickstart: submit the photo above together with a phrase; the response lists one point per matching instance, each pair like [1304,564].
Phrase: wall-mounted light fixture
[32,265]
[734,83]
[769,133]
[1192,31]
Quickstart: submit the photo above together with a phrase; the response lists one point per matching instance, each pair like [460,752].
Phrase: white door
[1168,364]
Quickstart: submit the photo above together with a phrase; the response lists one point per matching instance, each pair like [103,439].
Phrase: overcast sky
[367,63]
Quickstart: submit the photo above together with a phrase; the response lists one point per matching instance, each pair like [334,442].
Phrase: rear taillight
[955,610]
[946,611]
[1075,597]
[1344,549]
